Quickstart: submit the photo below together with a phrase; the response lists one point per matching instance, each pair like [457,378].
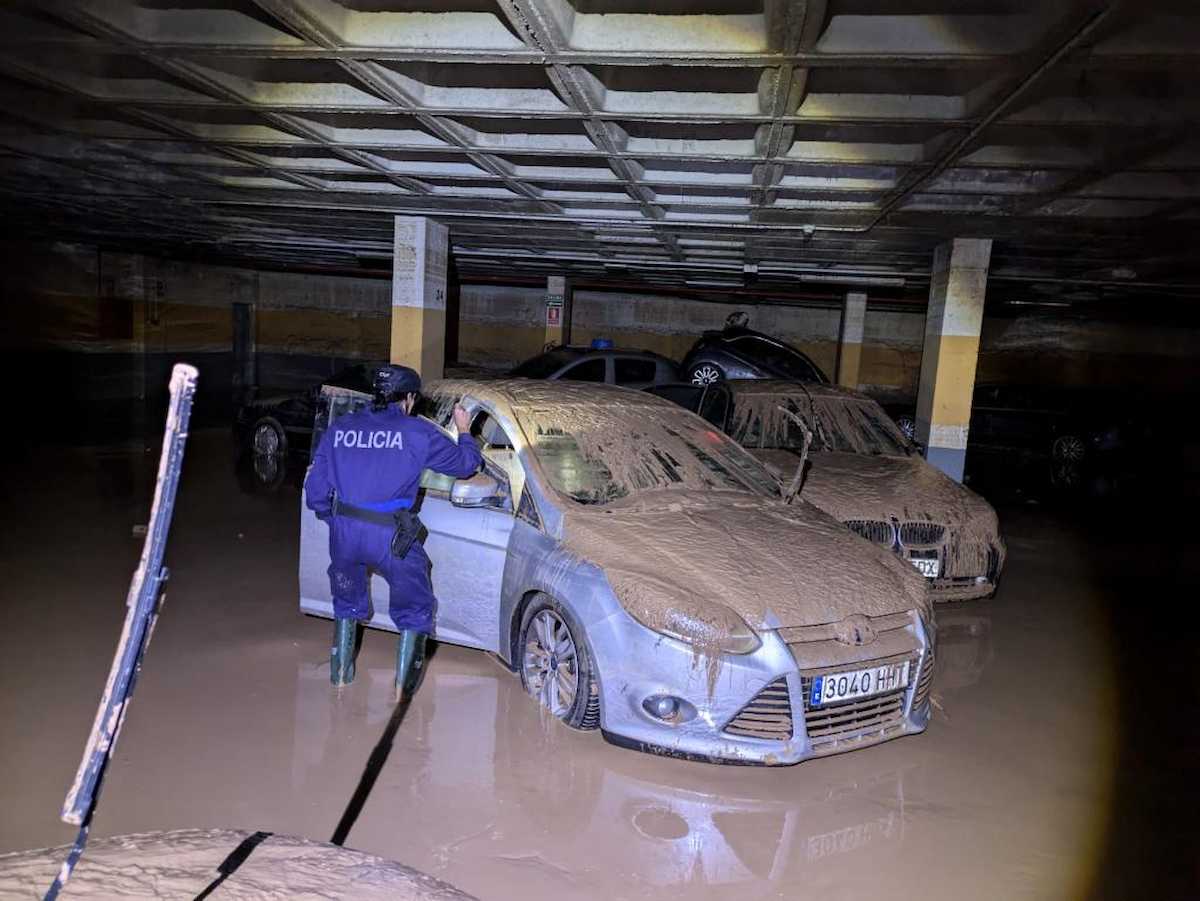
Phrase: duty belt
[406,525]
[380,518]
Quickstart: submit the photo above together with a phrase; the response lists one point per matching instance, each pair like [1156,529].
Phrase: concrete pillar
[558,310]
[854,314]
[419,295]
[952,325]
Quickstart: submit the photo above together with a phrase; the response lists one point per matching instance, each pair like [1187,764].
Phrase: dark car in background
[1066,438]
[275,425]
[737,352]
[599,362]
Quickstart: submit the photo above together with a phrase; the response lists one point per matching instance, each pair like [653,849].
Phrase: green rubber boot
[341,655]
[410,657]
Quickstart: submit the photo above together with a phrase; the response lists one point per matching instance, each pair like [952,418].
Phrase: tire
[268,438]
[908,426]
[703,374]
[548,630]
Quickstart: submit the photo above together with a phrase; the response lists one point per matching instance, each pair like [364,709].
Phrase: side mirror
[481,490]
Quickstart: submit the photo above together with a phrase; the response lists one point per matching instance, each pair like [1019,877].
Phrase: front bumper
[636,663]
[962,589]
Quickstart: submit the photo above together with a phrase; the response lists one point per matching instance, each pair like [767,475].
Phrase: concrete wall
[101,330]
[502,325]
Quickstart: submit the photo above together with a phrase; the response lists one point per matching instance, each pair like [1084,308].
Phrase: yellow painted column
[952,325]
[854,316]
[420,252]
[558,311]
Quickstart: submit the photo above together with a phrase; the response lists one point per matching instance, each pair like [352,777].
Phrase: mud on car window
[845,425]
[596,454]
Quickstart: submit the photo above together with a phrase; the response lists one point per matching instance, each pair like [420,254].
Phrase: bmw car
[864,471]
[642,575]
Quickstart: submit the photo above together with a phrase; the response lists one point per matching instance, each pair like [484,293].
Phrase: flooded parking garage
[833,314]
[1048,770]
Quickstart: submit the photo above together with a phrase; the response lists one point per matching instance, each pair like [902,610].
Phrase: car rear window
[786,361]
[544,365]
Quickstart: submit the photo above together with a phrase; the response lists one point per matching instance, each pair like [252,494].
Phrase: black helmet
[393,382]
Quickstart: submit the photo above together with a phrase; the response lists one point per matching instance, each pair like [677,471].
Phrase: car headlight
[709,628]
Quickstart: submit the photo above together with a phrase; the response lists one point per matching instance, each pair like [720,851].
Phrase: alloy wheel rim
[266,439]
[705,375]
[1068,449]
[551,663]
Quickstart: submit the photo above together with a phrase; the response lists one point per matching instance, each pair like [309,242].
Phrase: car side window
[592,370]
[498,450]
[634,369]
[715,406]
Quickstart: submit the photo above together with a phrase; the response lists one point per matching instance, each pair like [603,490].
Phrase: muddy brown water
[1024,786]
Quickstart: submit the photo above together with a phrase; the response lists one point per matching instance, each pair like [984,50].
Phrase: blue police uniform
[373,460]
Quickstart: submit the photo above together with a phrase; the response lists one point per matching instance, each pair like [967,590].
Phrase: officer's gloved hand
[462,420]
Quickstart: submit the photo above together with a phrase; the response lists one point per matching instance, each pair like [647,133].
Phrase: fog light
[669,709]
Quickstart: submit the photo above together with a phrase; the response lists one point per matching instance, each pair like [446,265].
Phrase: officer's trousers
[356,547]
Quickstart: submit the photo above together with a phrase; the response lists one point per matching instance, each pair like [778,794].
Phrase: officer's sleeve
[319,484]
[460,460]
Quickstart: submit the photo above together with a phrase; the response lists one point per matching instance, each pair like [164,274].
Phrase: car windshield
[544,365]
[600,452]
[843,424]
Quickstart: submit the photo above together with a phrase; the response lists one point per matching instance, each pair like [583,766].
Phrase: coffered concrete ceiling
[701,145]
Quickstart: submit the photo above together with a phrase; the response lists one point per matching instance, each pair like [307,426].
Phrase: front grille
[866,719]
[768,715]
[921,534]
[873,530]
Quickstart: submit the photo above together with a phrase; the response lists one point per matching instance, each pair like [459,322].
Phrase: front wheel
[556,669]
[703,374]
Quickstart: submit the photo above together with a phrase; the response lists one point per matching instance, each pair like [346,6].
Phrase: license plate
[929,567]
[833,687]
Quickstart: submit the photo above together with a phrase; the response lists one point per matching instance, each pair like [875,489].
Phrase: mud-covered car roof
[540,392]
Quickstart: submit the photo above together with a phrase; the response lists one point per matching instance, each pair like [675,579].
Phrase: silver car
[641,573]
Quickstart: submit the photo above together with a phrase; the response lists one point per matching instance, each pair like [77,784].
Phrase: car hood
[772,564]
[858,486]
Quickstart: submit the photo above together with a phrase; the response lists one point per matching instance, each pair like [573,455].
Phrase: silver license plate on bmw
[831,688]
[929,567]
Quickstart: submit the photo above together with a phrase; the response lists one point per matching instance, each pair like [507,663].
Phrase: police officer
[363,482]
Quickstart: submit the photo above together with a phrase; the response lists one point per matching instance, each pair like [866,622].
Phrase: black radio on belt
[408,529]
